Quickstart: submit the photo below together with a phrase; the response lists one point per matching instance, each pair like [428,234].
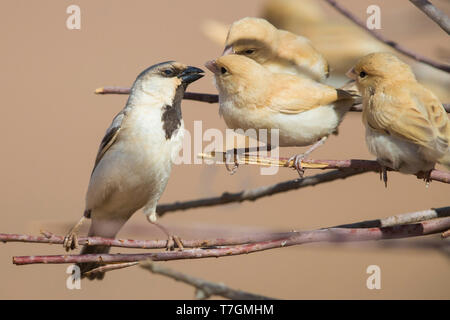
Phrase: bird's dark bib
[171,119]
[171,115]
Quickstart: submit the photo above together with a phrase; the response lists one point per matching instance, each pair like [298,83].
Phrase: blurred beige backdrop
[52,124]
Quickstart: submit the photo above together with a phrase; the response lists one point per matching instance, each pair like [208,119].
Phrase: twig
[206,97]
[205,289]
[355,164]
[112,90]
[297,238]
[433,13]
[393,44]
[405,218]
[147,244]
[111,267]
[260,192]
[203,97]
[50,238]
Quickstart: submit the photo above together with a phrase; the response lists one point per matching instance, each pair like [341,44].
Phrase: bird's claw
[232,170]
[383,175]
[297,163]
[172,241]
[70,241]
[427,178]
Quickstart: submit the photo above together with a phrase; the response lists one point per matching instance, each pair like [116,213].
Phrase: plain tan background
[52,124]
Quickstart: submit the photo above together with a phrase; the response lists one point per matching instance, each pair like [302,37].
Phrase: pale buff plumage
[341,41]
[338,39]
[278,50]
[407,128]
[252,97]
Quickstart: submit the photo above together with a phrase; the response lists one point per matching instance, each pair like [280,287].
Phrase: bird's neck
[141,96]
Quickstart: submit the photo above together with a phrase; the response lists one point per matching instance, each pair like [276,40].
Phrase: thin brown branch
[393,44]
[205,97]
[50,238]
[433,13]
[405,218]
[354,164]
[147,244]
[296,238]
[202,97]
[111,267]
[260,192]
[205,289]
[400,219]
[112,90]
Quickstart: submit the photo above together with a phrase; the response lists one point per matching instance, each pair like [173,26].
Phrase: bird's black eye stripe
[362,74]
[223,70]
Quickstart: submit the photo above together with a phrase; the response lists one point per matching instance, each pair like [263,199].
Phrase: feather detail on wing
[300,51]
[413,114]
[291,94]
[110,136]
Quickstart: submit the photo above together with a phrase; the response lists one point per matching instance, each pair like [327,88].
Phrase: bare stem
[355,164]
[393,44]
[433,13]
[205,289]
[400,219]
[146,244]
[111,267]
[296,238]
[205,97]
[260,192]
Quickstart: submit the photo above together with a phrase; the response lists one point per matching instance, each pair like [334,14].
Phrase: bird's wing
[413,114]
[110,136]
[300,51]
[291,94]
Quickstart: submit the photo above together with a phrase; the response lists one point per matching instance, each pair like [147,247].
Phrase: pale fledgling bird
[251,97]
[407,128]
[279,51]
[134,160]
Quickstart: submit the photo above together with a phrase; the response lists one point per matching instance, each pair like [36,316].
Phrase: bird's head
[254,38]
[238,75]
[377,68]
[164,79]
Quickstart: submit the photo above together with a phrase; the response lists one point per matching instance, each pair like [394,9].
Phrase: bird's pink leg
[298,158]
[71,239]
[171,238]
[235,153]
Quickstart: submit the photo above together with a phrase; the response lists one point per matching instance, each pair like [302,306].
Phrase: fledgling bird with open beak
[279,51]
[306,112]
[407,128]
[134,160]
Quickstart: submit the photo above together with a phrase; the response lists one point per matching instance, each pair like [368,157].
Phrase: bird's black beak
[191,74]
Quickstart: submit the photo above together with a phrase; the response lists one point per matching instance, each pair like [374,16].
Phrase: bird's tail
[106,228]
[85,267]
[351,90]
[350,86]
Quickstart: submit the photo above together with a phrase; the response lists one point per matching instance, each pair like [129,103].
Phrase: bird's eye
[249,51]
[223,70]
[362,74]
[168,72]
